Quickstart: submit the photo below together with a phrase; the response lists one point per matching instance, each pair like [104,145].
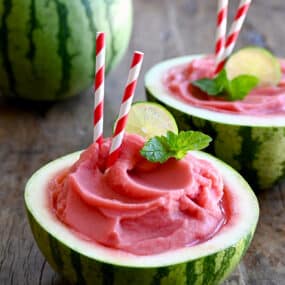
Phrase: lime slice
[255,61]
[150,119]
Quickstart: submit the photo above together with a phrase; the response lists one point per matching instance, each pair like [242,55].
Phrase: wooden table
[31,135]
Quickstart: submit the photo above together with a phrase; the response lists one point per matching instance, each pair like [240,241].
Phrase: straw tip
[137,58]
[138,52]
[100,33]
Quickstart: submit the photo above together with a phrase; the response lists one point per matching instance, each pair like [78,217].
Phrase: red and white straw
[236,26]
[221,29]
[234,31]
[119,130]
[99,87]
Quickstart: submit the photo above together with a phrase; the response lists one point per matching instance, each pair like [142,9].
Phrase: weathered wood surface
[31,135]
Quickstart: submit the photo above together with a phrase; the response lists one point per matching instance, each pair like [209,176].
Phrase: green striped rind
[256,152]
[47,48]
[79,269]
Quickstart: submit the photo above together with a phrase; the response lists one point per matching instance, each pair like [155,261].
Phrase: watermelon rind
[253,145]
[85,262]
[47,48]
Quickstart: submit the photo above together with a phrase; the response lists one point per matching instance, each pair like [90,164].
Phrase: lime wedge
[255,61]
[150,119]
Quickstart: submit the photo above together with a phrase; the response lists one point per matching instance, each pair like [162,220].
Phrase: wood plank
[265,258]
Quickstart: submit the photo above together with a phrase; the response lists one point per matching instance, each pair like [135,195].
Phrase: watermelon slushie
[248,134]
[181,222]
[138,206]
[261,101]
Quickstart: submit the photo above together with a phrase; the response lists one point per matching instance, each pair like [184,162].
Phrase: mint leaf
[213,86]
[208,86]
[222,78]
[241,85]
[192,140]
[160,149]
[235,89]
[156,150]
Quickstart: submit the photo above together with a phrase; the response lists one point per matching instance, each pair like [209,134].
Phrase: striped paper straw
[221,28]
[119,130]
[99,87]
[234,31]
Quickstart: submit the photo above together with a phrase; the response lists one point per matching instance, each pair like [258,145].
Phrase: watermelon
[252,145]
[47,48]
[84,262]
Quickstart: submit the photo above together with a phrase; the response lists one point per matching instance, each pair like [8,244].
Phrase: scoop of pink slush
[260,101]
[138,206]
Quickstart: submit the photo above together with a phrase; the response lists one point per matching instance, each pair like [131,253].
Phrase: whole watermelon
[47,47]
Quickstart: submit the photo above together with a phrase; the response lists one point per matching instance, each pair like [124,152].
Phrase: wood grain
[33,134]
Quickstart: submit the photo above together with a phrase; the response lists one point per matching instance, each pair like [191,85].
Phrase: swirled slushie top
[137,206]
[260,101]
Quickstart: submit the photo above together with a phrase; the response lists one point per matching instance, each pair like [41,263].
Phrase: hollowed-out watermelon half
[47,49]
[84,262]
[252,145]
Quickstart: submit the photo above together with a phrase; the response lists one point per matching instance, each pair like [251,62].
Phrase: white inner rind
[246,206]
[153,83]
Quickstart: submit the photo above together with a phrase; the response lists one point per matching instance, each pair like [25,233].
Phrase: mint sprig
[161,148]
[232,90]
